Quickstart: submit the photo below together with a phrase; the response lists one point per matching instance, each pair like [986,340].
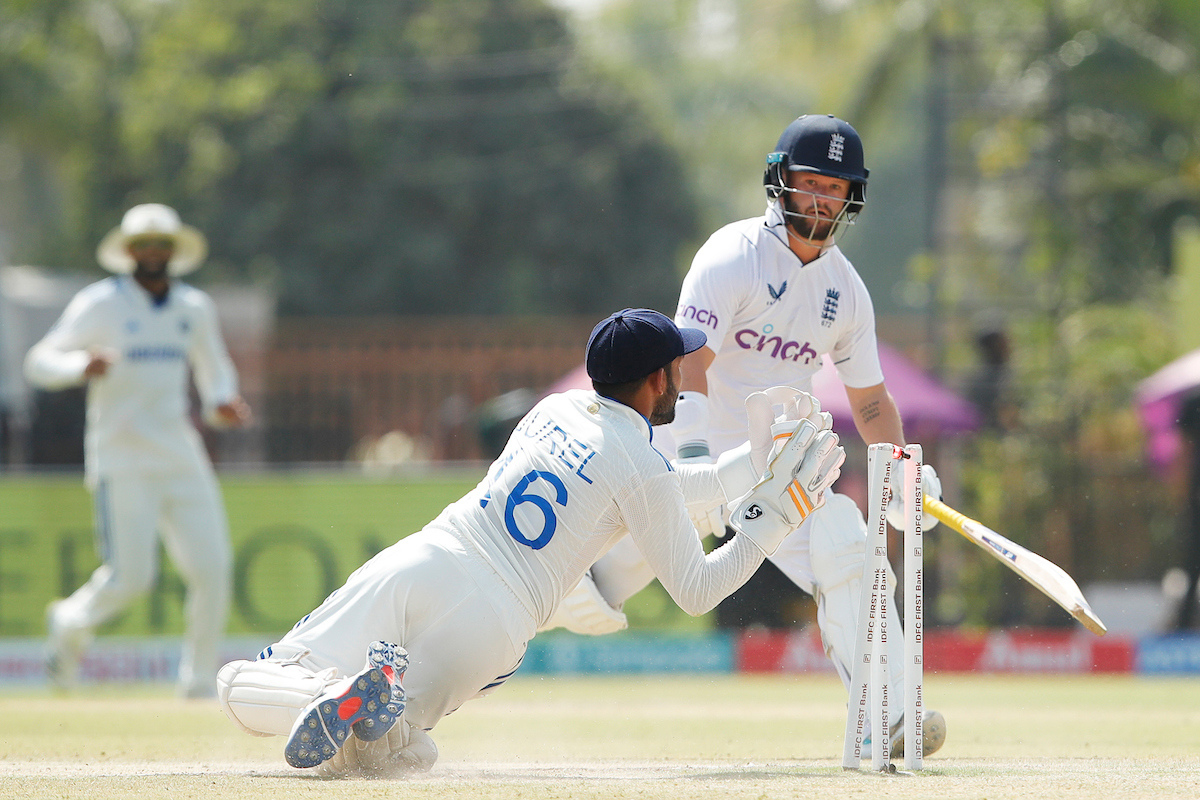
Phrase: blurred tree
[1067,133]
[377,157]
[60,61]
[722,78]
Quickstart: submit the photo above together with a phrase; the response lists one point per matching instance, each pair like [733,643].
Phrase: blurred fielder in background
[774,294]
[445,614]
[131,338]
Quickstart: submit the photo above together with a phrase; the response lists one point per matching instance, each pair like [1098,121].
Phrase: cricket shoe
[367,703]
[64,650]
[933,736]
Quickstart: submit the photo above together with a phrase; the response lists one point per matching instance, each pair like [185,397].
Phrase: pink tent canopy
[925,404]
[1159,399]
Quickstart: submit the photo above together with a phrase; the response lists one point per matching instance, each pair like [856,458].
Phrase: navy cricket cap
[631,344]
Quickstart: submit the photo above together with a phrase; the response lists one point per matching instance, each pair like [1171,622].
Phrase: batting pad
[837,547]
[264,698]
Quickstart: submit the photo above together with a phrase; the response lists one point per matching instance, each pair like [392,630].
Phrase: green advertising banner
[295,536]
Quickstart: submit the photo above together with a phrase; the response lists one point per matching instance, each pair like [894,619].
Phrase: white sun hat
[152,219]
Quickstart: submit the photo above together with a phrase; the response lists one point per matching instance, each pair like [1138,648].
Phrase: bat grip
[946,514]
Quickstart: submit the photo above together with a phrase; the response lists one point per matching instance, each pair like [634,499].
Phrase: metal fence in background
[333,389]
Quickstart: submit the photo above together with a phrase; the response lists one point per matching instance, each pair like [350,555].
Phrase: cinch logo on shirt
[701,315]
[157,353]
[774,346]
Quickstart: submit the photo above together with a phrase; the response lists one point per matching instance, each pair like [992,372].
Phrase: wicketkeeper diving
[445,614]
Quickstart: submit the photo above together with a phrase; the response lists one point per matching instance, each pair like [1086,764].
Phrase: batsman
[774,293]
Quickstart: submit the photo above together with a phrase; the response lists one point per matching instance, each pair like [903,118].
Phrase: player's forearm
[875,415]
[695,370]
[699,484]
[217,388]
[726,569]
[47,367]
[215,374]
[661,529]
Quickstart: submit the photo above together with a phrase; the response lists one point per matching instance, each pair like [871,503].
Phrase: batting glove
[931,486]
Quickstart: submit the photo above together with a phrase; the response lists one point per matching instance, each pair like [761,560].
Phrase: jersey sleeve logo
[701,315]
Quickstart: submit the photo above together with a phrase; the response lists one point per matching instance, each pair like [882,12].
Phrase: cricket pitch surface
[638,736]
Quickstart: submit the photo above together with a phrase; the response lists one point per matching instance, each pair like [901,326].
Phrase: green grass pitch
[648,737]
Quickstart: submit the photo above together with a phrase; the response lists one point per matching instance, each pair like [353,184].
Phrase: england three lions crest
[829,308]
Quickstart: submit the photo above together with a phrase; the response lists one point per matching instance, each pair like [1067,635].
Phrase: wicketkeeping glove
[584,610]
[771,417]
[769,429]
[792,487]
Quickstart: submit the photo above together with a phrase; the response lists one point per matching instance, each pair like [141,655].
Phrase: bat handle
[946,514]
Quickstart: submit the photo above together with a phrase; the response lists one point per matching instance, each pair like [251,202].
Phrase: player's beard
[808,228]
[153,276]
[664,408]
[154,269]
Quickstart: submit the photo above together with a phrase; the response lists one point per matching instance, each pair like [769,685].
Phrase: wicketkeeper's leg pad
[621,573]
[265,697]
[405,750]
[584,610]
[837,549]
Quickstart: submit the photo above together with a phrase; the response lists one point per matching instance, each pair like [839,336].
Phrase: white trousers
[131,511]
[464,630]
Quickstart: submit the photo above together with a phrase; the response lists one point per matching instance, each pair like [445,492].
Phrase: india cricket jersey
[138,412]
[578,473]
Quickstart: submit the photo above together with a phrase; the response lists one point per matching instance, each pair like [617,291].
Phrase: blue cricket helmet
[823,144]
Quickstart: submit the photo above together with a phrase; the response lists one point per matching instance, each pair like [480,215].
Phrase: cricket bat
[1051,579]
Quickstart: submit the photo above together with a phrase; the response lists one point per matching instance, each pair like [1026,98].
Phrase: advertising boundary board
[1034,650]
[295,536]
[1030,652]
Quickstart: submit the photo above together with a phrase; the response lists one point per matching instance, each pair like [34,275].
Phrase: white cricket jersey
[770,319]
[578,473]
[137,413]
